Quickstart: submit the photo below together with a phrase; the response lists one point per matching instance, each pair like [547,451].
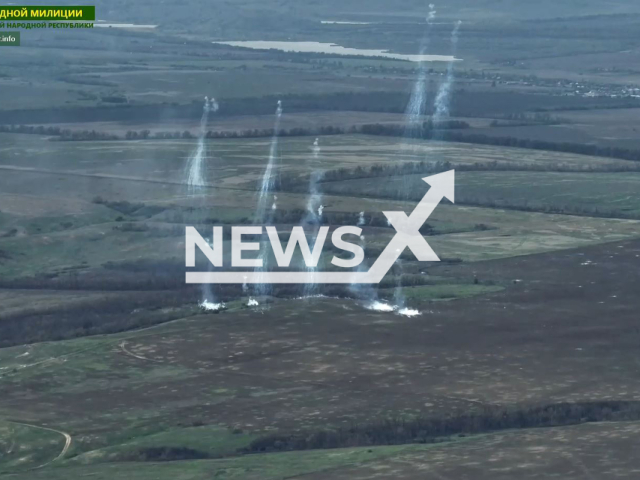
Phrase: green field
[62,233]
[596,194]
[25,446]
[578,451]
[268,467]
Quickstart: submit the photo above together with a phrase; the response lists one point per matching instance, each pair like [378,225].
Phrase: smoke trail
[268,180]
[443,99]
[441,110]
[399,299]
[398,295]
[417,106]
[313,216]
[195,179]
[195,165]
[413,128]
[266,188]
[364,291]
[417,102]
[314,202]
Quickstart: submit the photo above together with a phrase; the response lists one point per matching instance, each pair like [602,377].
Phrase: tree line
[520,119]
[62,133]
[453,135]
[435,429]
[299,183]
[451,131]
[106,315]
[145,134]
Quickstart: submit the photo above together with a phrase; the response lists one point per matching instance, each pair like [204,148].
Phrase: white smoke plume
[443,99]
[418,100]
[314,201]
[208,306]
[195,167]
[313,217]
[364,292]
[252,303]
[378,306]
[266,188]
[316,148]
[432,13]
[195,178]
[267,178]
[213,105]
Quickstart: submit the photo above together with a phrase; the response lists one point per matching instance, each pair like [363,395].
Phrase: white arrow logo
[408,228]
[408,236]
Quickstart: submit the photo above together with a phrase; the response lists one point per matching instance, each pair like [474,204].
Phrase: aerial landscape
[507,131]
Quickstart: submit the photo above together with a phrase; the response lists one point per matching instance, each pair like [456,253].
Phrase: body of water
[333,49]
[342,22]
